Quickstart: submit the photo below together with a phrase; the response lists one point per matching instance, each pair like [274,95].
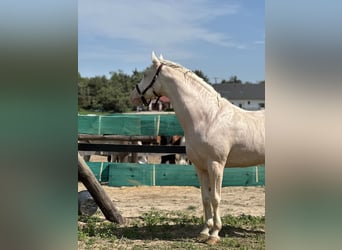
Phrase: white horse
[218,134]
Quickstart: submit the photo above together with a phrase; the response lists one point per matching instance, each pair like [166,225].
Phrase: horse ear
[161,57]
[154,58]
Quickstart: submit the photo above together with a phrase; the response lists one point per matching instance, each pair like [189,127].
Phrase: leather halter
[142,93]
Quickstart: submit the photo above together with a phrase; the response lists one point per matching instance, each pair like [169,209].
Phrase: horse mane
[190,74]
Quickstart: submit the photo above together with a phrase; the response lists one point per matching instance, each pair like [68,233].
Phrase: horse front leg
[215,170]
[206,201]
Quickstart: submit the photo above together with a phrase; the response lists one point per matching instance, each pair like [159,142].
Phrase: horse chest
[201,151]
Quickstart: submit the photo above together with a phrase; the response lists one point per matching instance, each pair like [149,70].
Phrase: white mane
[188,74]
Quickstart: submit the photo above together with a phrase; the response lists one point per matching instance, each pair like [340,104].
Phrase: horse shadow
[168,232]
[179,232]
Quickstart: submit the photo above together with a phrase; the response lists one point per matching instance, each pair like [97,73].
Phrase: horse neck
[192,102]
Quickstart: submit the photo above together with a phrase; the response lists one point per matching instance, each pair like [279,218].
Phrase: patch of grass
[90,112]
[245,221]
[155,217]
[191,208]
[169,230]
[95,227]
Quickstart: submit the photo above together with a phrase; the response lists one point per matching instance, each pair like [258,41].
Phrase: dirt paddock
[132,202]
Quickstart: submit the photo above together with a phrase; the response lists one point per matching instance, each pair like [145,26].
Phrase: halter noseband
[142,93]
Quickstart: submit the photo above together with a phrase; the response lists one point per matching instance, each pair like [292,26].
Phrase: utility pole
[215,79]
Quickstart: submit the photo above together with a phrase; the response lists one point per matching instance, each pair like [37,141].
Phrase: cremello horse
[218,134]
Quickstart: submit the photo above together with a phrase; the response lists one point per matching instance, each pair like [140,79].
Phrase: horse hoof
[212,240]
[202,237]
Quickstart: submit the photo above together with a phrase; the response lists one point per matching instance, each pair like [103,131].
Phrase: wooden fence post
[101,198]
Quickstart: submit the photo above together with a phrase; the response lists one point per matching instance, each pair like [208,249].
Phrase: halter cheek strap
[142,93]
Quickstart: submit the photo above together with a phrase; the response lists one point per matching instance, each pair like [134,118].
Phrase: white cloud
[168,24]
[120,34]
[259,42]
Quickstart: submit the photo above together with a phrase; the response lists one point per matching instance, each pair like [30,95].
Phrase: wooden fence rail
[142,138]
[132,148]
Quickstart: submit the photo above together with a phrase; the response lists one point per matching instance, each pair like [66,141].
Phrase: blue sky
[221,38]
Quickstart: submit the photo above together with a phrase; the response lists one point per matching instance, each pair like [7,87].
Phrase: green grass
[88,112]
[169,230]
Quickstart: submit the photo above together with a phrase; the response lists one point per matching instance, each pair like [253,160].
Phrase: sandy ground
[134,201]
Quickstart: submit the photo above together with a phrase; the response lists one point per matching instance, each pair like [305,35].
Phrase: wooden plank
[131,148]
[143,138]
[101,198]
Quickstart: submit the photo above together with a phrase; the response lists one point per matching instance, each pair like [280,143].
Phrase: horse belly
[241,158]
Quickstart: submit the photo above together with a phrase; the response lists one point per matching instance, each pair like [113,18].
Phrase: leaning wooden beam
[107,207]
[131,148]
[142,138]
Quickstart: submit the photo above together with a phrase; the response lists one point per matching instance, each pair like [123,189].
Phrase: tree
[84,92]
[113,94]
[234,79]
[202,75]
[123,85]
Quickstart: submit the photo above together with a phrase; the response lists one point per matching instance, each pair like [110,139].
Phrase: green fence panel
[120,125]
[250,176]
[149,125]
[132,174]
[88,124]
[100,170]
[130,124]
[175,175]
[128,174]
[169,125]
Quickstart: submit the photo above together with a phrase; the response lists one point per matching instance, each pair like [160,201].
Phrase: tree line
[112,94]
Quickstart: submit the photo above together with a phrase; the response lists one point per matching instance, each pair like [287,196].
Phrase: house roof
[164,99]
[238,91]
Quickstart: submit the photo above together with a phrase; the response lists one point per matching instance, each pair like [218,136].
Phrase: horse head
[147,89]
